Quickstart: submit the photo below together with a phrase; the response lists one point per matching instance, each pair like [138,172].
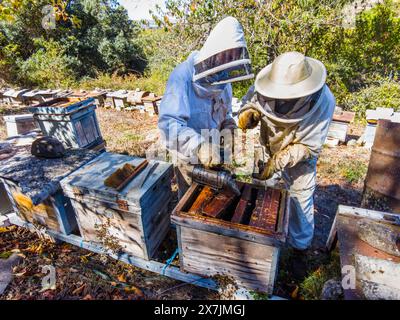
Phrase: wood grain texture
[202,199]
[372,267]
[250,264]
[55,212]
[218,205]
[242,206]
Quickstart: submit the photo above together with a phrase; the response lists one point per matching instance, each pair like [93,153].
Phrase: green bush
[354,171]
[385,94]
[47,67]
[354,56]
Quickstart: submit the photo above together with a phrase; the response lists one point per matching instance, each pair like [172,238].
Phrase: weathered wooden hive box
[71,120]
[33,186]
[14,96]
[19,124]
[151,103]
[134,219]
[5,203]
[340,124]
[239,237]
[119,99]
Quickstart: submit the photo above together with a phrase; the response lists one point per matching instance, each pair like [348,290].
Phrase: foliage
[385,94]
[354,56]
[128,82]
[353,171]
[91,35]
[48,67]
[311,287]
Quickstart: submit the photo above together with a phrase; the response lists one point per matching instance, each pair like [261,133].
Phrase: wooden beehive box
[119,99]
[369,253]
[135,218]
[5,202]
[33,186]
[54,213]
[150,103]
[239,237]
[19,124]
[73,121]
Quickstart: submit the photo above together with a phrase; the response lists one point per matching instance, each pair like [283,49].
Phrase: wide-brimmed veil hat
[291,75]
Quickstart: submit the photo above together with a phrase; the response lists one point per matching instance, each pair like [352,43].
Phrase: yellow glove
[209,155]
[249,119]
[266,171]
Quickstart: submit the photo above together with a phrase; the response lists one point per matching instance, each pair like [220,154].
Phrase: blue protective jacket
[187,108]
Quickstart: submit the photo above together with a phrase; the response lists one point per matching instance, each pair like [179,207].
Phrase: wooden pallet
[157,267]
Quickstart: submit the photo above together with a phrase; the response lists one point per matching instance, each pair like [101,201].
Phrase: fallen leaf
[102,274]
[20,274]
[79,290]
[121,278]
[295,293]
[7,229]
[5,254]
[134,290]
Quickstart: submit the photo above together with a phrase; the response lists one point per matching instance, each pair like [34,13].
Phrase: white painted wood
[379,279]
[380,216]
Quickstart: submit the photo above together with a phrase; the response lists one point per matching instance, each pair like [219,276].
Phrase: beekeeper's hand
[266,170]
[249,117]
[209,155]
[290,156]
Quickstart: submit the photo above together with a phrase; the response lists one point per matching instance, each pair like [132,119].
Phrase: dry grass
[129,132]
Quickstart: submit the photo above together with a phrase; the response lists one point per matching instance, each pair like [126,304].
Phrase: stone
[6,275]
[352,143]
[332,290]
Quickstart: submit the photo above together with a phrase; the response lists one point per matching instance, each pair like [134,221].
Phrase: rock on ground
[332,290]
[6,274]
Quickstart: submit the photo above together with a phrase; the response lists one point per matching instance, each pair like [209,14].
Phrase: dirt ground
[84,275]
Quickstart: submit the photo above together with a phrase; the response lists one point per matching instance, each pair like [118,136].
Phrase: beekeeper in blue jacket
[199,96]
[295,107]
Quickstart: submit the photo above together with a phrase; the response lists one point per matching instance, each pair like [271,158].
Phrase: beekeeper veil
[224,56]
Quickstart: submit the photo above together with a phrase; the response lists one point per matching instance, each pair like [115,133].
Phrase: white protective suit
[305,131]
[188,106]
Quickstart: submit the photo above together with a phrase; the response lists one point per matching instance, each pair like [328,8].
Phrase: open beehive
[236,236]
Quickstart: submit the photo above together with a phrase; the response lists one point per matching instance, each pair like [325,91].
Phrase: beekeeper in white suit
[199,96]
[295,108]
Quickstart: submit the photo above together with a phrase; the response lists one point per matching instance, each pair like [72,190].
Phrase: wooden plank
[331,242]
[229,229]
[266,210]
[105,225]
[378,279]
[218,204]
[243,205]
[210,254]
[202,199]
[380,216]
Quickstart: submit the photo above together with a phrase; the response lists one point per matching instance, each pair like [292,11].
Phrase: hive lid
[62,105]
[14,118]
[89,180]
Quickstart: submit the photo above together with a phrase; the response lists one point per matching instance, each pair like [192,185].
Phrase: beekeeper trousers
[300,180]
